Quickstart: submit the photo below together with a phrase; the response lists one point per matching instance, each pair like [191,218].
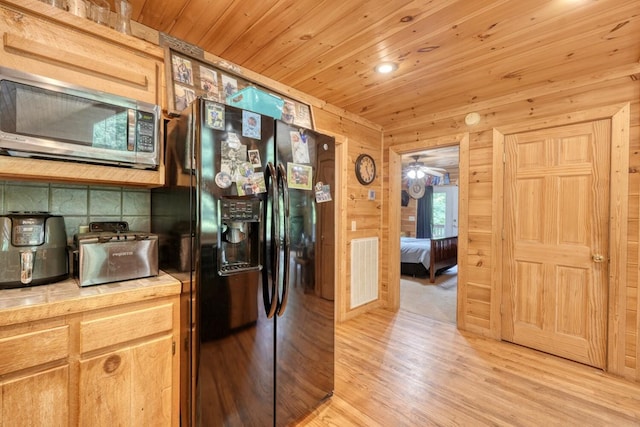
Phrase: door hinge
[504,157]
[173,347]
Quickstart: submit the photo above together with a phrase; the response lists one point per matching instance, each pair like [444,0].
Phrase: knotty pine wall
[478,309]
[408,218]
[359,217]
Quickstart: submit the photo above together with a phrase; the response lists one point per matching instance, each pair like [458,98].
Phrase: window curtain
[425,214]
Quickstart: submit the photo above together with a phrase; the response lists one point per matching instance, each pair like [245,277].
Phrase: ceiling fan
[418,170]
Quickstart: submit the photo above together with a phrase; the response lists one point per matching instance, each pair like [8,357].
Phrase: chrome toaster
[109,252]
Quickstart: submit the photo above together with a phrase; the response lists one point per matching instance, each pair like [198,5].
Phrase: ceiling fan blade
[433,172]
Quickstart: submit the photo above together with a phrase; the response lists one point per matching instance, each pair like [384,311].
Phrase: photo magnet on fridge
[323,192]
[215,115]
[299,176]
[233,157]
[251,124]
[254,159]
[299,147]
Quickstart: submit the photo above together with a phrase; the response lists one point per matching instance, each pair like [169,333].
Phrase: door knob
[597,258]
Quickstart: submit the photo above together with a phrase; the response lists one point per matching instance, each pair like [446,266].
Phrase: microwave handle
[131,132]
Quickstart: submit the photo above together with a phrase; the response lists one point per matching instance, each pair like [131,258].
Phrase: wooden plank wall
[479,291]
[408,218]
[359,216]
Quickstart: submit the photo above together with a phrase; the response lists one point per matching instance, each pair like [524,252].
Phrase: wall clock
[365,169]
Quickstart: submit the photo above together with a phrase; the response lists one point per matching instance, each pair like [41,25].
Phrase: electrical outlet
[353,226]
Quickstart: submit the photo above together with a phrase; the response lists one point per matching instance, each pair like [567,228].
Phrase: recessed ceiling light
[386,67]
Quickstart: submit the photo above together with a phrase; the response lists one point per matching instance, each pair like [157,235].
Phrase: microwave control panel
[145,132]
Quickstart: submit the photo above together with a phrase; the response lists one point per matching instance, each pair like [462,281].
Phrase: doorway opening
[429,211]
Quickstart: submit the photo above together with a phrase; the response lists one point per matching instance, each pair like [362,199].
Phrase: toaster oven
[112,256]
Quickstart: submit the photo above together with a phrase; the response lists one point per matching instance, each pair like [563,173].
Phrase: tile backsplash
[79,204]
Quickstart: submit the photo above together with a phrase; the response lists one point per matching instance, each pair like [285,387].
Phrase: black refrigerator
[247,219]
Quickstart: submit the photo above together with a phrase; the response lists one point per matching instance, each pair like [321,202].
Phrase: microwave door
[50,122]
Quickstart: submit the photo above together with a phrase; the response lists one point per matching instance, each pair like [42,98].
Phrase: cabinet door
[132,386]
[39,399]
[64,50]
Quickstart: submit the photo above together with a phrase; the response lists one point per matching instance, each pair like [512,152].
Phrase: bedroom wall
[408,215]
[479,310]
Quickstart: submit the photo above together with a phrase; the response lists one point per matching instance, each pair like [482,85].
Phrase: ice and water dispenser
[239,235]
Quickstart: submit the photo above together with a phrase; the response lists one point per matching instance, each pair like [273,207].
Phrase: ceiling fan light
[411,174]
[420,174]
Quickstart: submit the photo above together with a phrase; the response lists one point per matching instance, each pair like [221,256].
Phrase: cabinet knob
[597,258]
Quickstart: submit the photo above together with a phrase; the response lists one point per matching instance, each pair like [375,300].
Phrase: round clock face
[365,169]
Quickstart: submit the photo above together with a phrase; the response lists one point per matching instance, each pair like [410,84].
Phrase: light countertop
[67,297]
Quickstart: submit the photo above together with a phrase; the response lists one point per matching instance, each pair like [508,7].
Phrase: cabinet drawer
[120,328]
[33,349]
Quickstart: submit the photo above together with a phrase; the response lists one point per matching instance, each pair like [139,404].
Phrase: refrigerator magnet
[254,159]
[299,147]
[223,180]
[245,169]
[233,156]
[253,184]
[251,124]
[299,176]
[215,115]
[323,192]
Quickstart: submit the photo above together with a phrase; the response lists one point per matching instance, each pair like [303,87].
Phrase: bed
[427,257]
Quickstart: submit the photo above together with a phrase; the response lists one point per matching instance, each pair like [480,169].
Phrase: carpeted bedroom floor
[433,300]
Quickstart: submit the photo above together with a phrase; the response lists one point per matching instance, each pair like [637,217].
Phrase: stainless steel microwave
[45,118]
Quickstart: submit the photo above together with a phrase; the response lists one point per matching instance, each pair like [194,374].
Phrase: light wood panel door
[556,207]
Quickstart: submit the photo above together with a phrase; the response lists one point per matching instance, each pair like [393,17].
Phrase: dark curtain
[425,214]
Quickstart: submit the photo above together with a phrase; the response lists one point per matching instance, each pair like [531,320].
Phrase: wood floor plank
[405,369]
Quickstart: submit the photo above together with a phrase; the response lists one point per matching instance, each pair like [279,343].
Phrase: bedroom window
[439,214]
[445,211]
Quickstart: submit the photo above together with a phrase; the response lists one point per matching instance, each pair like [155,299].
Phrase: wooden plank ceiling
[452,54]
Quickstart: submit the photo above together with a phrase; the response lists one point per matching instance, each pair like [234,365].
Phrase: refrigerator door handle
[282,181]
[269,298]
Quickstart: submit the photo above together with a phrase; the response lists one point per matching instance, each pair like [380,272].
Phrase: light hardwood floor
[407,370]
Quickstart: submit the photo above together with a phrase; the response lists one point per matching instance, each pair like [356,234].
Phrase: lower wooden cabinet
[38,399]
[115,366]
[34,374]
[131,386]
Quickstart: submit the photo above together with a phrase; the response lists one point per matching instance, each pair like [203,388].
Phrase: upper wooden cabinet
[43,40]
[40,39]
